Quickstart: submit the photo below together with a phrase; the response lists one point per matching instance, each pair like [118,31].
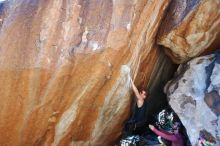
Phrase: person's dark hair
[178,125]
[144,89]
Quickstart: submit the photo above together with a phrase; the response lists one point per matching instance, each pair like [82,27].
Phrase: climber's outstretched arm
[136,92]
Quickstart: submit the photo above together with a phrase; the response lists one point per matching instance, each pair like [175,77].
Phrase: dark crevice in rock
[217,55]
[164,71]
[209,70]
[177,76]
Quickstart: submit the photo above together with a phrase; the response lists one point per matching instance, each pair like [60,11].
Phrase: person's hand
[151,127]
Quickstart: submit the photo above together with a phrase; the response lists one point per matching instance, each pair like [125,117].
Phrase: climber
[137,123]
[175,137]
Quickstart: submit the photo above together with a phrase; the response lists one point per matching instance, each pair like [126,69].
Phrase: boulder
[65,67]
[189,28]
[194,94]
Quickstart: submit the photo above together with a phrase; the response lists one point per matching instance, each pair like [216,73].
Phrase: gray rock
[194,94]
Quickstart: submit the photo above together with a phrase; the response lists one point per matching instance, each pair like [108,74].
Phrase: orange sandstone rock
[64,68]
[189,28]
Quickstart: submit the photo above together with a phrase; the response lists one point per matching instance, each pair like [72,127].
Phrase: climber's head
[143,93]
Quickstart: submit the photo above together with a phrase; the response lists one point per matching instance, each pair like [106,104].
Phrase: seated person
[175,137]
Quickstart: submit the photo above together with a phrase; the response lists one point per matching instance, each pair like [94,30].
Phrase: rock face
[64,67]
[190,28]
[194,94]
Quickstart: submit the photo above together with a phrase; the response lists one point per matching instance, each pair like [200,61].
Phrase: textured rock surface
[191,27]
[194,94]
[62,79]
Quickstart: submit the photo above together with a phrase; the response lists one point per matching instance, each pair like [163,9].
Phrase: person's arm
[136,92]
[164,135]
[162,130]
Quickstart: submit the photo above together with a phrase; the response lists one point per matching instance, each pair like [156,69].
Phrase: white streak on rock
[67,118]
[105,118]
